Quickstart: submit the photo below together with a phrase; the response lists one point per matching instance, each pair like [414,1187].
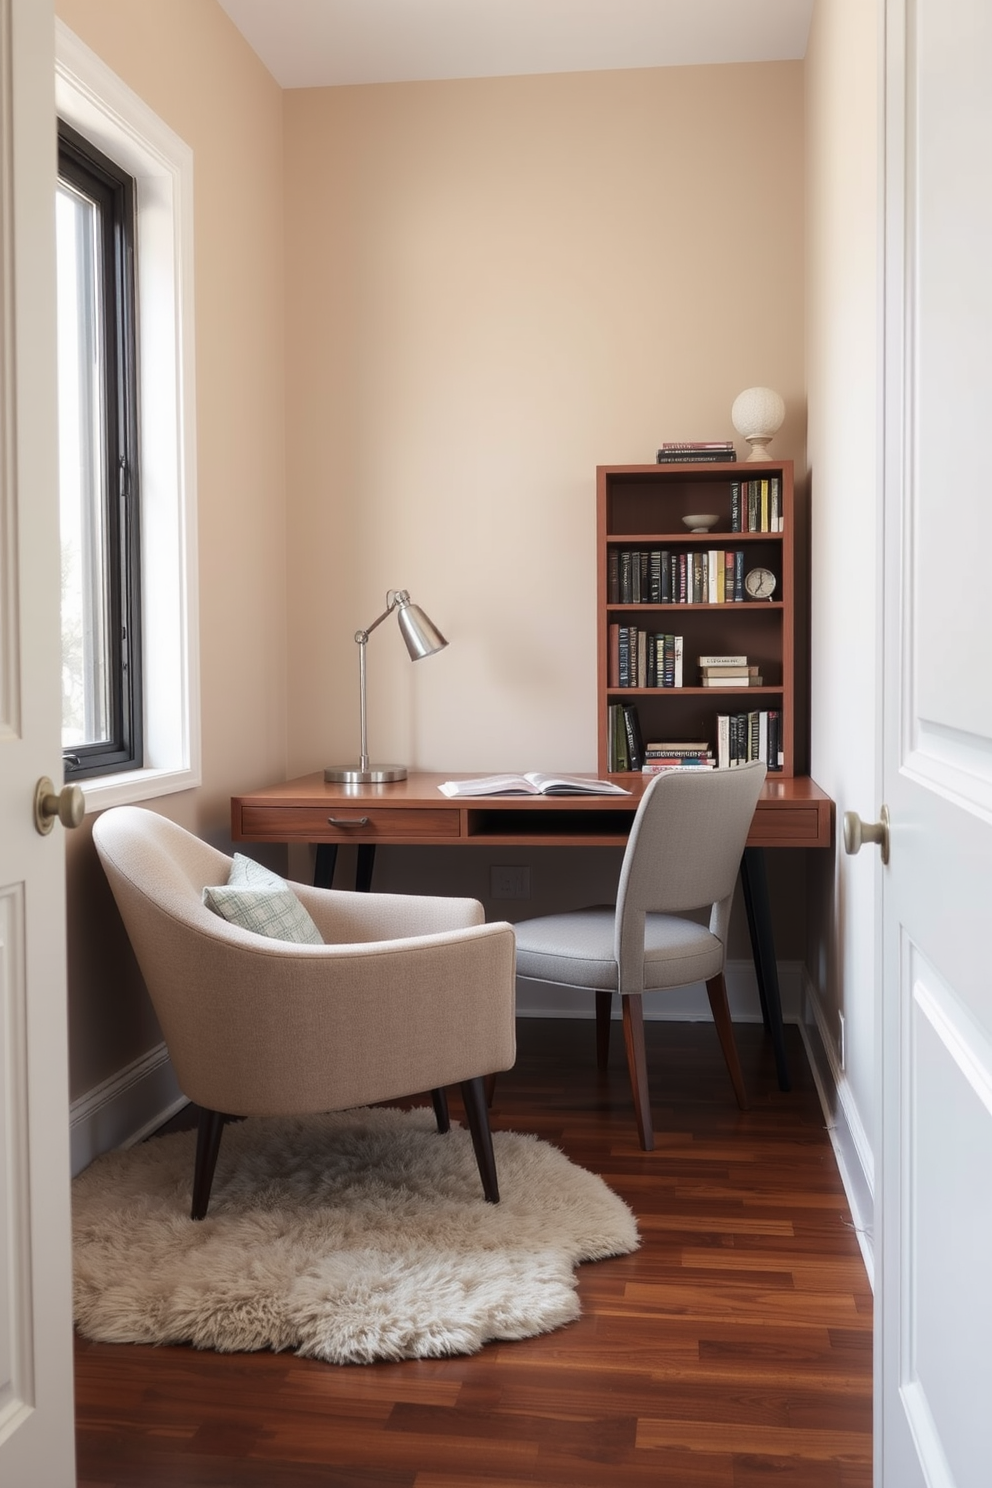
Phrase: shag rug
[350,1237]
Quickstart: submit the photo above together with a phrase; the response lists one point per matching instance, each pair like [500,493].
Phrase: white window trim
[102,108]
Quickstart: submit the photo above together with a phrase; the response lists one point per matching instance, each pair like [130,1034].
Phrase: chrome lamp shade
[422,639]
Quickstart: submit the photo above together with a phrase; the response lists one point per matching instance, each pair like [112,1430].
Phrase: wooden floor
[733,1350]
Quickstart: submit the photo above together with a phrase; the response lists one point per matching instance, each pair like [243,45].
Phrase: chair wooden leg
[604,1012]
[209,1131]
[439,1099]
[474,1097]
[716,989]
[637,1064]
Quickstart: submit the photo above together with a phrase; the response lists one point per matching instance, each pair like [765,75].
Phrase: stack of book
[728,671]
[696,452]
[677,754]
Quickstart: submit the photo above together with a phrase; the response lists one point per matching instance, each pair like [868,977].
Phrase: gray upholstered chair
[683,855]
[406,994]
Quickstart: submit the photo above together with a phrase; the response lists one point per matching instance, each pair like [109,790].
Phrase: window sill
[130,786]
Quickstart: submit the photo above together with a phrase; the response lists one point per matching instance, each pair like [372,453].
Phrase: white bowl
[701,522]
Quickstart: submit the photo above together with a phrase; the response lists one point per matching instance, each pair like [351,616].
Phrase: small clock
[760,583]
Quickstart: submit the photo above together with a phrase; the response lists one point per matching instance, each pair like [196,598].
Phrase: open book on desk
[533,784]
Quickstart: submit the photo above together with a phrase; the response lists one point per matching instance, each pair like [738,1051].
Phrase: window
[114,123]
[98,466]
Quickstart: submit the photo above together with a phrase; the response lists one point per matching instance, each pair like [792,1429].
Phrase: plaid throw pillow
[259,900]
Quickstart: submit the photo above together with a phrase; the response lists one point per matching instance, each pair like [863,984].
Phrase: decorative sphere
[758,411]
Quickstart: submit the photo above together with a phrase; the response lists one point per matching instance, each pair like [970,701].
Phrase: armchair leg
[604,1012]
[637,1064]
[477,1112]
[716,989]
[208,1134]
[439,1099]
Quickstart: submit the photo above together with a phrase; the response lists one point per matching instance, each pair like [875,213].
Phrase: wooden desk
[792,812]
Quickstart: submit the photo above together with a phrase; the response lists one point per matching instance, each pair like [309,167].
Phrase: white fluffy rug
[350,1237]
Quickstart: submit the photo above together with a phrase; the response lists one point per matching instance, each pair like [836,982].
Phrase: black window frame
[87,169]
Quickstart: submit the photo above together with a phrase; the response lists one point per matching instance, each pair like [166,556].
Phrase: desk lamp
[422,639]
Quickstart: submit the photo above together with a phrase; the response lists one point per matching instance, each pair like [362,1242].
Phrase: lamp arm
[393,598]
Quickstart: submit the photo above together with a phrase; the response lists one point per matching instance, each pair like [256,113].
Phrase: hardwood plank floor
[733,1350]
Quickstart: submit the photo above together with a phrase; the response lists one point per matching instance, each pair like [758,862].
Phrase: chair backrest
[684,849]
[156,866]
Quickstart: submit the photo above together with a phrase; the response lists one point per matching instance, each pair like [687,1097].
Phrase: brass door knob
[857,832]
[68,805]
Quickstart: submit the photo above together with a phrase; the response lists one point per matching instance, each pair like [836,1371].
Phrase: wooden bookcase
[641,507]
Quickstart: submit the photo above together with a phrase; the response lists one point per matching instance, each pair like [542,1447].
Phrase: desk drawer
[345,823]
[782,825]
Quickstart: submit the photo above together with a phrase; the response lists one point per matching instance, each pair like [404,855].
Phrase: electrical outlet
[509,883]
[842,1041]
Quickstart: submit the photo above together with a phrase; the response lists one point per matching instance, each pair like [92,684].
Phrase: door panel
[949,1065]
[36,1426]
[934,1298]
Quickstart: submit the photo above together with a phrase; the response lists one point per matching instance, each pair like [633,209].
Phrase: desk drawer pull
[353,821]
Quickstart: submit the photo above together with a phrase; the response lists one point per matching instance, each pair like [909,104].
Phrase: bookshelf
[640,509]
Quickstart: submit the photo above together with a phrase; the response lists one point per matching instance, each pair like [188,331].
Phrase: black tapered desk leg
[754,882]
[327,856]
[323,867]
[364,867]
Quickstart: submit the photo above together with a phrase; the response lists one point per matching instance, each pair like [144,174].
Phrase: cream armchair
[407,994]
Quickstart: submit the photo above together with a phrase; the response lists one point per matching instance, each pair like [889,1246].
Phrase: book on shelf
[532,784]
[635,740]
[737,674]
[676,746]
[613,576]
[722,661]
[733,669]
[659,767]
[616,740]
[613,654]
[726,445]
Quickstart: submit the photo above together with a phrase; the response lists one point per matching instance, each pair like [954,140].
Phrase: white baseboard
[687,1005]
[125,1108]
[852,1149]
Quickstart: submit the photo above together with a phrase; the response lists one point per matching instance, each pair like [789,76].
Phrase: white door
[934,1334]
[36,1426]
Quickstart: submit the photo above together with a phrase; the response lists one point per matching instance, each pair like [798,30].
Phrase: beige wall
[489,287]
[492,286]
[190,65]
[844,380]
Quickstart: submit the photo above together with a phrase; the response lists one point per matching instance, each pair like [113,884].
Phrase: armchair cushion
[259,900]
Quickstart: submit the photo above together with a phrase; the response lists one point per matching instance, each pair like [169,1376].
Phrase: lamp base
[354,775]
[759,446]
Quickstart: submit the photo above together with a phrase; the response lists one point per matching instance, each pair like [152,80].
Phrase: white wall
[843,374]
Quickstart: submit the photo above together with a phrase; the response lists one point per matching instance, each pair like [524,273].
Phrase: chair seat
[578,950]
